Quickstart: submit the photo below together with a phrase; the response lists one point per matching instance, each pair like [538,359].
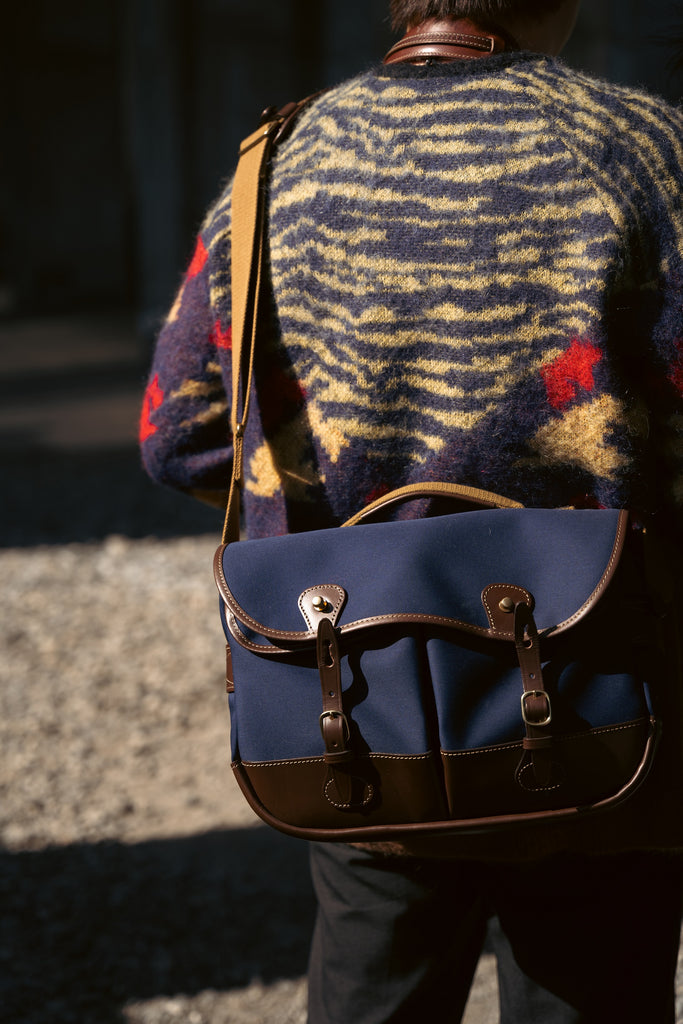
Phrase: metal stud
[507,605]
[320,604]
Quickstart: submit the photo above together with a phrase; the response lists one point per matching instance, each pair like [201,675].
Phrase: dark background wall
[121,118]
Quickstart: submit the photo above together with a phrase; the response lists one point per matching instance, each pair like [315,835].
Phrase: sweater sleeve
[184,426]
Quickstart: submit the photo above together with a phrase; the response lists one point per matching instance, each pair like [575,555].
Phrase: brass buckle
[336,714]
[536,693]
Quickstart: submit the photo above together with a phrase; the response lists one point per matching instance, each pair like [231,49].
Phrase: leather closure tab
[527,646]
[535,769]
[323,601]
[500,600]
[333,722]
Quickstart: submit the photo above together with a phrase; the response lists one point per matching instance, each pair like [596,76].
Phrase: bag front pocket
[394,773]
[587,768]
[598,735]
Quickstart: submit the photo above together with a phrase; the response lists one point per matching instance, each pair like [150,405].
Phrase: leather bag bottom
[451,791]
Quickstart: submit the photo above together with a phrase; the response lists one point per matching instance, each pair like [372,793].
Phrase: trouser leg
[588,940]
[396,940]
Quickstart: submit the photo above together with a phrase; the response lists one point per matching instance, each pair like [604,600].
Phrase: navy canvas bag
[491,677]
[439,675]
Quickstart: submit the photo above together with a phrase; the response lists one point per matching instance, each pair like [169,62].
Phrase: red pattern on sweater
[221,338]
[198,260]
[154,396]
[574,367]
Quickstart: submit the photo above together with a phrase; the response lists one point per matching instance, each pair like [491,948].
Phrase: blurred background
[121,118]
[135,884]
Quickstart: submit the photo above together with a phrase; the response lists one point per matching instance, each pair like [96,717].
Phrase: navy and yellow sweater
[477,276]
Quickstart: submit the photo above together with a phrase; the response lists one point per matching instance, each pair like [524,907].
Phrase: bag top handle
[471,497]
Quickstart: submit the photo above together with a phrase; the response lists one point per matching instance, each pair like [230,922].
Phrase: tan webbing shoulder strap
[247,248]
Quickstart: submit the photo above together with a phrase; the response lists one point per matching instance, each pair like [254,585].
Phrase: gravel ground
[136,885]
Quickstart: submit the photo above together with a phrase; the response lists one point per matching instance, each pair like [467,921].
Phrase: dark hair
[404,12]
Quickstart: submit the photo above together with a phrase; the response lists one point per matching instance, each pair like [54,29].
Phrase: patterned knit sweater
[477,276]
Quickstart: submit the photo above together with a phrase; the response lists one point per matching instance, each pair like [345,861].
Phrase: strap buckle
[333,716]
[526,713]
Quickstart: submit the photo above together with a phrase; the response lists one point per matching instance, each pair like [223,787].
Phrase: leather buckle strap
[334,725]
[535,770]
[343,787]
[336,733]
[446,40]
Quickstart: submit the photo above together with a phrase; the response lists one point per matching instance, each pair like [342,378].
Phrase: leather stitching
[606,577]
[535,789]
[447,37]
[335,608]
[321,760]
[239,615]
[346,807]
[508,586]
[600,731]
[517,744]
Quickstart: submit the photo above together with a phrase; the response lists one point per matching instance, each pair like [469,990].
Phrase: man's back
[453,250]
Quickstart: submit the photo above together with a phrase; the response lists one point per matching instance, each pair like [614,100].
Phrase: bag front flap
[450,571]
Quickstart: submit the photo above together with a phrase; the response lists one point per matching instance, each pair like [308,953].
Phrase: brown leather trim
[401,795]
[448,39]
[332,600]
[480,782]
[499,614]
[269,650]
[296,792]
[296,637]
[435,49]
[605,579]
[295,641]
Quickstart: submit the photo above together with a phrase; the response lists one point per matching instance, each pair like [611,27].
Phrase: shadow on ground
[87,928]
[70,397]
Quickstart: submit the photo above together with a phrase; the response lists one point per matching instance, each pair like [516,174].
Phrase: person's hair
[405,12]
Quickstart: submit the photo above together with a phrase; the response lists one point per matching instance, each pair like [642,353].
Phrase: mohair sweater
[477,276]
